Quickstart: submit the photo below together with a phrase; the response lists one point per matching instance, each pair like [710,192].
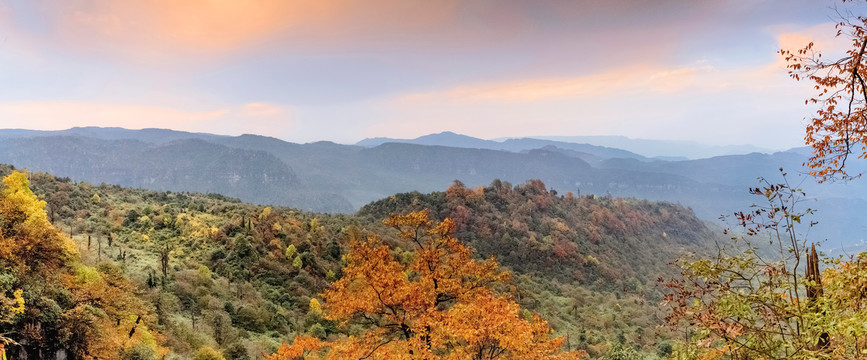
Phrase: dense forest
[138,274]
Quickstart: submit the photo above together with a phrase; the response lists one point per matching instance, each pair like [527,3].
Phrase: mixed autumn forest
[134,245]
[205,271]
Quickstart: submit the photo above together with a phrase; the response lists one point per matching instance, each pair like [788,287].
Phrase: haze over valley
[337,178]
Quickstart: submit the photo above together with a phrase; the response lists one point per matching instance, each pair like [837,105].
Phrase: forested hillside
[608,243]
[215,275]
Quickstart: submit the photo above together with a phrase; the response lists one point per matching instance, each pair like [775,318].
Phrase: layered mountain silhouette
[662,149]
[451,139]
[611,146]
[329,177]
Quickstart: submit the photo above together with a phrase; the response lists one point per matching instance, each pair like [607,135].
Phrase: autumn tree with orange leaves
[437,303]
[838,130]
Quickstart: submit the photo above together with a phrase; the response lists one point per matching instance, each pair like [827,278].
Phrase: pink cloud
[646,100]
[169,30]
[645,79]
[822,35]
[625,80]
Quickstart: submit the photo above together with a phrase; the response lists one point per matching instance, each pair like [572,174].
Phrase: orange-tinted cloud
[170,30]
[156,30]
[508,63]
[263,110]
[822,36]
[774,74]
[185,26]
[621,100]
[627,80]
[643,79]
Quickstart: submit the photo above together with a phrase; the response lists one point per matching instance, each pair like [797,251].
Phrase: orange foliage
[302,348]
[839,126]
[438,305]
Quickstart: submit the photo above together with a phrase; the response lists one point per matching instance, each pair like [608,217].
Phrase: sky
[342,71]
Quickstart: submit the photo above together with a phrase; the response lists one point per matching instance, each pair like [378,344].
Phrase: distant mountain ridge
[329,177]
[448,138]
[662,148]
[149,135]
[190,164]
[671,150]
[445,138]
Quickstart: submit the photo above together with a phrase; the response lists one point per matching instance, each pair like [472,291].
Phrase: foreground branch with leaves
[434,302]
[839,127]
[746,303]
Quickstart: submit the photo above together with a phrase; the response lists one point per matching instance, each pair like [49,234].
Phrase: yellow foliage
[199,226]
[315,308]
[26,236]
[86,274]
[208,353]
[17,190]
[19,302]
[314,225]
[107,331]
[104,304]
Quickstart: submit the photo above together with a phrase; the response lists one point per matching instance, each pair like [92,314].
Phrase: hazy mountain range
[451,139]
[619,146]
[662,148]
[329,177]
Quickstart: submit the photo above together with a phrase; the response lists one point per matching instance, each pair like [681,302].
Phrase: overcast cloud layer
[344,70]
